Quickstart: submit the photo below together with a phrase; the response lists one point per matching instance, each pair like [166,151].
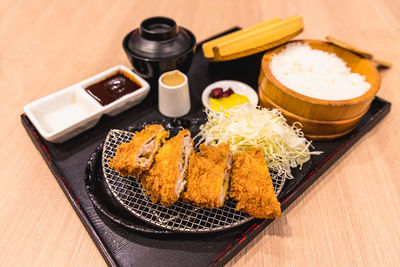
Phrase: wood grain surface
[350,217]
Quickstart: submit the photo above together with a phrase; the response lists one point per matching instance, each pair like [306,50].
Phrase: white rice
[316,73]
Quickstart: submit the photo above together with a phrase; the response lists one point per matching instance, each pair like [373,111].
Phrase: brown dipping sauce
[112,88]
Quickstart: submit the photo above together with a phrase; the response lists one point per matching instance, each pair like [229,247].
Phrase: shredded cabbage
[245,126]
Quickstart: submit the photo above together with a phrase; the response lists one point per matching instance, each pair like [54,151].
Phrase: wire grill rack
[180,217]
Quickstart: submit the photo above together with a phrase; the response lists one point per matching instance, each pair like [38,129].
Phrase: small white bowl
[68,112]
[237,87]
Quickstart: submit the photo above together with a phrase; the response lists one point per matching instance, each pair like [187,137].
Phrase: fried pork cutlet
[251,186]
[208,176]
[137,156]
[165,180]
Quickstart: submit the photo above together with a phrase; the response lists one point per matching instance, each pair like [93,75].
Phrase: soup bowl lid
[158,38]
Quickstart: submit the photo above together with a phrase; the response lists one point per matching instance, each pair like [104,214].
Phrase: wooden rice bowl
[314,129]
[321,119]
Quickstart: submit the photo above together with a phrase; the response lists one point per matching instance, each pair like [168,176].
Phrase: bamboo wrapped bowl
[321,119]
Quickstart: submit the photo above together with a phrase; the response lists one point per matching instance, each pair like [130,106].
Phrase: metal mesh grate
[181,216]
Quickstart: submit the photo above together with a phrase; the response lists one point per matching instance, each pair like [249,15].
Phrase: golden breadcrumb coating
[205,177]
[251,185]
[161,179]
[125,160]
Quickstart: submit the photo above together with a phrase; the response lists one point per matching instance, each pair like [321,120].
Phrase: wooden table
[349,217]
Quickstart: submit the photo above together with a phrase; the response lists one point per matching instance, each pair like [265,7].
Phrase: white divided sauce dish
[70,111]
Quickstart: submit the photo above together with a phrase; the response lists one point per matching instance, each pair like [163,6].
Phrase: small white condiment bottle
[173,100]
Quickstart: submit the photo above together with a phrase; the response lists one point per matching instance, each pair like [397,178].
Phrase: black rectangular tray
[123,247]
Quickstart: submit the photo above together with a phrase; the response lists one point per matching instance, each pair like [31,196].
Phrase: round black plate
[106,203]
[181,216]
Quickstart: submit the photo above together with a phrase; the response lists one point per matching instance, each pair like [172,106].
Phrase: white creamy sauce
[63,117]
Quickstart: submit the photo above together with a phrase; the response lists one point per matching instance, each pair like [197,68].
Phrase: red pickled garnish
[230,91]
[216,93]
[225,94]
[219,93]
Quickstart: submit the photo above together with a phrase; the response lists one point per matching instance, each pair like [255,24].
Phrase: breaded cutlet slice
[165,180]
[208,177]
[251,185]
[137,156]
